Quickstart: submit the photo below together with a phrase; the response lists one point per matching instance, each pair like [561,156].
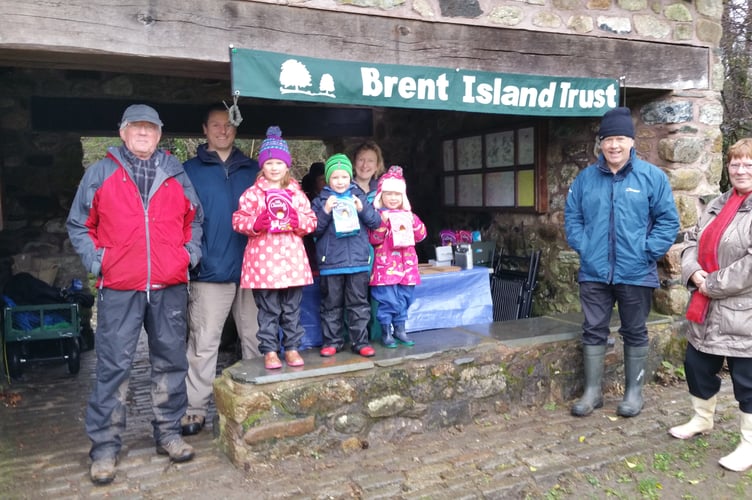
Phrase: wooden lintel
[192,38]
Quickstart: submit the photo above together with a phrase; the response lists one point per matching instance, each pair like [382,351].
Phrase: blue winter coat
[621,224]
[219,186]
[348,254]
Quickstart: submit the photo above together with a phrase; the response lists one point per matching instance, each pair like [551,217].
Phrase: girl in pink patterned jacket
[395,268]
[276,214]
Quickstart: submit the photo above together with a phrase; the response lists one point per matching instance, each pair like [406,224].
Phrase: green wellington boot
[634,378]
[592,398]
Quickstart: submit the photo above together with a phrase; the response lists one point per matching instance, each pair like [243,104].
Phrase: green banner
[270,75]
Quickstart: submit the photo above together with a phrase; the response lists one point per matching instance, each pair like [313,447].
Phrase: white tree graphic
[294,74]
[326,84]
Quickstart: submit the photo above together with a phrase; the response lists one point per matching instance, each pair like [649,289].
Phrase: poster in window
[469,153]
[448,148]
[449,191]
[470,190]
[500,149]
[500,189]
[525,188]
[526,146]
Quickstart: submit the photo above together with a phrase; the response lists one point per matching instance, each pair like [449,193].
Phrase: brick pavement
[521,454]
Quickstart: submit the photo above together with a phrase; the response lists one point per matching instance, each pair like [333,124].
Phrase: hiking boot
[192,424]
[102,470]
[177,449]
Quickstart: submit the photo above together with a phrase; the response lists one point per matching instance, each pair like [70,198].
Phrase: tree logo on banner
[295,79]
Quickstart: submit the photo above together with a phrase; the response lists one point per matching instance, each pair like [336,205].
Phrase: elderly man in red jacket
[136,222]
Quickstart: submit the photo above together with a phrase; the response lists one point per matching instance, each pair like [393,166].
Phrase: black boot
[634,378]
[592,356]
[386,336]
[401,336]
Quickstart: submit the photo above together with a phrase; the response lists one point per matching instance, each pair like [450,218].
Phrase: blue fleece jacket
[219,185]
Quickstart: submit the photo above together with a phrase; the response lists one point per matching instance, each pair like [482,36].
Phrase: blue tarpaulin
[442,300]
[445,300]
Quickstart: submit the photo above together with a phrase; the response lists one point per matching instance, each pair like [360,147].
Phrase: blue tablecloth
[442,300]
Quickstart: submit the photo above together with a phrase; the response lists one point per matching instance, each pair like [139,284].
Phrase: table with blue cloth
[442,300]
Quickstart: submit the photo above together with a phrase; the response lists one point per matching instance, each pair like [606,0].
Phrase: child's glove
[263,222]
[294,221]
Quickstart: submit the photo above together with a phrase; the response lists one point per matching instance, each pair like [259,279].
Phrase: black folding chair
[512,285]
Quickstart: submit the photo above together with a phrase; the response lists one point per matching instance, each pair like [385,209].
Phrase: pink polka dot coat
[273,260]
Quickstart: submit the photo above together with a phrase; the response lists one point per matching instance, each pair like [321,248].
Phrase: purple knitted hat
[274,147]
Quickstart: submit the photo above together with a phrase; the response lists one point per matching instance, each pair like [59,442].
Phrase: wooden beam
[191,38]
[297,121]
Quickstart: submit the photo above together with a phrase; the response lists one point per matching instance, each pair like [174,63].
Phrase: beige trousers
[209,305]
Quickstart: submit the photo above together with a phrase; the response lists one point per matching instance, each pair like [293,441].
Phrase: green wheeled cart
[49,332]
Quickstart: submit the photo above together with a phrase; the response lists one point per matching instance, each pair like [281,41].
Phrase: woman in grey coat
[717,268]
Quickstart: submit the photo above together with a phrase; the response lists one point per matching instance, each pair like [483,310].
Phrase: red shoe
[292,358]
[328,351]
[271,361]
[367,351]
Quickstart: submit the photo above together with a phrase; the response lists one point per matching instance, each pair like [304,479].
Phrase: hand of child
[358,203]
[329,205]
[294,221]
[263,222]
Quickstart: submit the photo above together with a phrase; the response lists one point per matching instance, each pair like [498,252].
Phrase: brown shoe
[177,449]
[271,361]
[292,358]
[102,470]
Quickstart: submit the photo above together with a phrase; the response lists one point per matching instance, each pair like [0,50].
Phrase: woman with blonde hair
[368,167]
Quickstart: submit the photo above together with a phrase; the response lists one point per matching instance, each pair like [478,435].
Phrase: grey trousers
[120,317]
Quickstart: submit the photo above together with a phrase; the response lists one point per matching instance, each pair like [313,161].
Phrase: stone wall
[668,21]
[343,411]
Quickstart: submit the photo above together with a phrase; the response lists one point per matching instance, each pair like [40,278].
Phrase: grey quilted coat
[727,330]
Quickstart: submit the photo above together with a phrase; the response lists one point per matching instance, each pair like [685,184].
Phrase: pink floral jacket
[395,266]
[273,260]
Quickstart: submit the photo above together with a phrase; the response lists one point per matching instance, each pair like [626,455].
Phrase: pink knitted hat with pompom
[392,181]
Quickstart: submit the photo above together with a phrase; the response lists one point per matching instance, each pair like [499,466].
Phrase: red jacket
[129,245]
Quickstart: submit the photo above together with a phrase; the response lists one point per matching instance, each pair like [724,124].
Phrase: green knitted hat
[337,162]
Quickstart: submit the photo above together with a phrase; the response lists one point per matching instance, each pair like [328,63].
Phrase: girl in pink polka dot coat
[275,265]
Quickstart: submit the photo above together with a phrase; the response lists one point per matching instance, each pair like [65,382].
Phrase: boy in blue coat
[343,257]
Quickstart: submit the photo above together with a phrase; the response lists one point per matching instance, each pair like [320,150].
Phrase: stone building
[68,69]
